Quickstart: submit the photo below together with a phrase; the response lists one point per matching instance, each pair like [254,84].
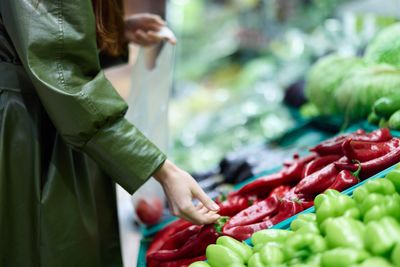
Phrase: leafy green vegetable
[325,77]
[358,92]
[385,48]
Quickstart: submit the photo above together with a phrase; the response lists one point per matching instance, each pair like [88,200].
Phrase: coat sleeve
[56,42]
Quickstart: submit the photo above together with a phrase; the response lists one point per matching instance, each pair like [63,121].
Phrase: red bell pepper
[288,175]
[365,151]
[292,196]
[180,238]
[280,191]
[373,166]
[318,163]
[380,135]
[306,203]
[317,182]
[334,145]
[254,213]
[234,204]
[183,262]
[346,179]
[287,209]
[162,236]
[368,145]
[195,246]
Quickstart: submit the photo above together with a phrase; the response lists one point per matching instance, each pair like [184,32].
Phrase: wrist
[162,174]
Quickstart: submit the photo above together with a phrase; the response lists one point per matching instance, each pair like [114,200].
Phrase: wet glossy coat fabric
[60,120]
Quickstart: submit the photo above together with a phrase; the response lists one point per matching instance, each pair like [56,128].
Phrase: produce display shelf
[286,223]
[282,225]
[303,135]
[145,242]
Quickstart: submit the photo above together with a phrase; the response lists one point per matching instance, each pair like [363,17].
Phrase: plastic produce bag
[148,104]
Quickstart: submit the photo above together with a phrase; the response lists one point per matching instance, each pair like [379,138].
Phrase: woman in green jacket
[64,140]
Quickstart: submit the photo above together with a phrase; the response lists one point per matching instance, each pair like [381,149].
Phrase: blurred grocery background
[253,82]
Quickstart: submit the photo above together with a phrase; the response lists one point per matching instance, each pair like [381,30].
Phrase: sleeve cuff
[125,154]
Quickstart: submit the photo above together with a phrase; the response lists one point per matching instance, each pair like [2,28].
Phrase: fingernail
[215,206]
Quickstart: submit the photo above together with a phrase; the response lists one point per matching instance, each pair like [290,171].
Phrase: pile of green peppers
[386,112]
[358,231]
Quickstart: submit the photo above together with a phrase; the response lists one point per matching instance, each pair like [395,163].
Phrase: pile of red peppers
[337,163]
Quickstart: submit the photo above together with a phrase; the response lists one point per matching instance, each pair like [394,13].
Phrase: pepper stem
[219,224]
[297,200]
[223,197]
[357,172]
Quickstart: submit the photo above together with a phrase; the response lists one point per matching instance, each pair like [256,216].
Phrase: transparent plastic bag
[148,105]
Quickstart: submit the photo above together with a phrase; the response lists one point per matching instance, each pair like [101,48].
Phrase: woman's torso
[56,207]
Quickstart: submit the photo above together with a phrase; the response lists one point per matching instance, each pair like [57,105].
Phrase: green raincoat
[59,120]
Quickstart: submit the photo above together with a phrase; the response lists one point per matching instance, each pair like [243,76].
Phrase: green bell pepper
[200,264]
[344,232]
[271,254]
[389,207]
[332,204]
[303,265]
[312,261]
[327,194]
[343,257]
[255,261]
[381,236]
[221,256]
[258,247]
[386,106]
[375,262]
[383,123]
[302,246]
[237,265]
[240,248]
[394,121]
[373,118]
[370,201]
[379,186]
[394,177]
[396,255]
[270,235]
[305,223]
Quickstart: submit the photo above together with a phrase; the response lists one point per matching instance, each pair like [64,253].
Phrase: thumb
[206,200]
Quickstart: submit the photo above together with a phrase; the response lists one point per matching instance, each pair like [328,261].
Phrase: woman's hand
[146,30]
[180,189]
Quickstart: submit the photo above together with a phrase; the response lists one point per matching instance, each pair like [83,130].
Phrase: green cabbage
[325,76]
[385,48]
[358,92]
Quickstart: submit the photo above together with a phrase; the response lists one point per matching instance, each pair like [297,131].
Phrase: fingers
[202,210]
[180,189]
[204,213]
[198,214]
[158,37]
[190,213]
[152,18]
[204,199]
[144,39]
[150,22]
